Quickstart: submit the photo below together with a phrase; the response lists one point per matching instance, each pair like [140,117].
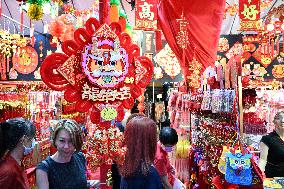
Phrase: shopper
[168,138]
[141,142]
[16,141]
[66,169]
[272,149]
[116,177]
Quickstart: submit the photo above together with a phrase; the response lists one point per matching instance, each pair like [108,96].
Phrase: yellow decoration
[109,178]
[108,114]
[35,12]
[129,80]
[128,31]
[222,160]
[182,148]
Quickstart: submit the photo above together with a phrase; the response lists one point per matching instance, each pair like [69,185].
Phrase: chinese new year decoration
[182,36]
[25,60]
[249,12]
[100,66]
[146,15]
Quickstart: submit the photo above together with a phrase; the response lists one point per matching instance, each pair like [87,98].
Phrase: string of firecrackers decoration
[234,8]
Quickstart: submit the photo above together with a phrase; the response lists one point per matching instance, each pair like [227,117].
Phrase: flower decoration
[93,68]
[62,28]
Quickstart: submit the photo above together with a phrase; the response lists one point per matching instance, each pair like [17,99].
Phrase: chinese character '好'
[146,11]
[250,12]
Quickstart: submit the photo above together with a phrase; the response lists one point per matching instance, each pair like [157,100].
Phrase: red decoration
[203,33]
[249,12]
[146,14]
[25,60]
[100,66]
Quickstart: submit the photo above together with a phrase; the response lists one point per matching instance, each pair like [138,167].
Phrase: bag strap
[45,163]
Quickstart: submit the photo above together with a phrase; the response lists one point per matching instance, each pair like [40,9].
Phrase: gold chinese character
[250,12]
[146,11]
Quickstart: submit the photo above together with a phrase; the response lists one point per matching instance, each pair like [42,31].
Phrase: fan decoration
[168,61]
[25,60]
[100,71]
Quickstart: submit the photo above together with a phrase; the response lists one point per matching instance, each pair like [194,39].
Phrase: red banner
[249,12]
[146,15]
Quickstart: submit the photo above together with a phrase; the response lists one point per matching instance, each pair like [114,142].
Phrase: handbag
[238,168]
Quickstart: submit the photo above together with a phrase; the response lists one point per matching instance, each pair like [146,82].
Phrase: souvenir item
[238,168]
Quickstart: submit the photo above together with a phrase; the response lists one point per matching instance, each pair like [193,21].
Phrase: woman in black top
[272,149]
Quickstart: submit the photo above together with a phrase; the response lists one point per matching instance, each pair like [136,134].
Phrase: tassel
[159,44]
[272,47]
[277,46]
[0,8]
[32,31]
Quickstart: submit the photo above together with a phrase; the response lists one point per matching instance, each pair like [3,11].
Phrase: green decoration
[128,26]
[38,2]
[122,13]
[115,2]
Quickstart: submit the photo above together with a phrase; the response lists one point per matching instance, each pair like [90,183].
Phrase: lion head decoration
[105,62]
[100,70]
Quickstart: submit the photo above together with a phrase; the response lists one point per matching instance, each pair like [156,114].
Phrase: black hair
[168,136]
[12,130]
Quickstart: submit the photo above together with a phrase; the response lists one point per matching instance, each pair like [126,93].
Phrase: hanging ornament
[168,61]
[158,73]
[26,60]
[35,12]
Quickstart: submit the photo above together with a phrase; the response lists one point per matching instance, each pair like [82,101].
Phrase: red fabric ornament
[100,66]
[205,19]
[122,21]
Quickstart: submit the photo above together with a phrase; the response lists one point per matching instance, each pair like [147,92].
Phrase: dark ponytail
[11,131]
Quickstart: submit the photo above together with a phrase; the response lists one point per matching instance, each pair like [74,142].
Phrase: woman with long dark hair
[141,142]
[16,141]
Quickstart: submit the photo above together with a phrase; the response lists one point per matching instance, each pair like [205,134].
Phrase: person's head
[279,121]
[141,143]
[128,117]
[67,137]
[168,138]
[17,134]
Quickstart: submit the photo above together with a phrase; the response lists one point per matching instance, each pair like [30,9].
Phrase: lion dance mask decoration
[101,71]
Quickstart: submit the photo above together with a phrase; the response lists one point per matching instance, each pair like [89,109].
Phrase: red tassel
[22,19]
[159,44]
[0,8]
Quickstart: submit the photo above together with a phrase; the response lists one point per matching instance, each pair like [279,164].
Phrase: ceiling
[11,9]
